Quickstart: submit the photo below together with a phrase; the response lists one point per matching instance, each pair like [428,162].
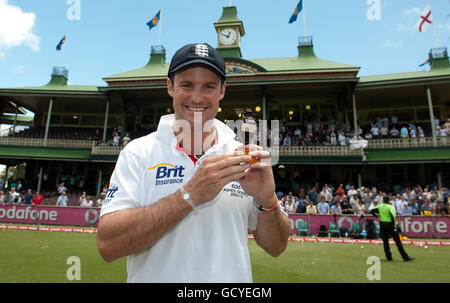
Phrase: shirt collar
[165,132]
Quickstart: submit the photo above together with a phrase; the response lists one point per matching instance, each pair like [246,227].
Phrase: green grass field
[33,256]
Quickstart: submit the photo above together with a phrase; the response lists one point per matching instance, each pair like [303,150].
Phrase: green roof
[155,68]
[45,153]
[56,84]
[440,70]
[405,155]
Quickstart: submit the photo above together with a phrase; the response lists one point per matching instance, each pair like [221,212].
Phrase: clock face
[228,36]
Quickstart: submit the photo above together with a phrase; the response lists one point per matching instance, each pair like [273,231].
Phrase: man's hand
[214,173]
[259,181]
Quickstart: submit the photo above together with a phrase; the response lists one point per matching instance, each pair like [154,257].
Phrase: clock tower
[229,32]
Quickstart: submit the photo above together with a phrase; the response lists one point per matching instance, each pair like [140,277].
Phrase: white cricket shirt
[206,246]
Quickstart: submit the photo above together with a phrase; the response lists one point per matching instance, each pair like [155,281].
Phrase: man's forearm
[130,231]
[272,232]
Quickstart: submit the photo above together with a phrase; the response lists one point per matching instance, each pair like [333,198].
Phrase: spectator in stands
[287,140]
[360,208]
[412,132]
[62,200]
[82,198]
[326,193]
[384,131]
[394,133]
[313,194]
[97,135]
[447,126]
[441,209]
[340,191]
[126,139]
[404,132]
[398,204]
[15,196]
[345,206]
[406,211]
[426,209]
[441,131]
[37,199]
[420,132]
[6,198]
[323,207]
[100,200]
[375,131]
[116,139]
[352,192]
[341,138]
[28,197]
[414,206]
[88,202]
[61,188]
[301,207]
[373,204]
[311,209]
[289,206]
[336,209]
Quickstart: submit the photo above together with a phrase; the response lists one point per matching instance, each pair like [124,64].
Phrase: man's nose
[197,95]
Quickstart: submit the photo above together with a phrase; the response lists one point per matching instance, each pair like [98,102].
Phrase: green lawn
[28,256]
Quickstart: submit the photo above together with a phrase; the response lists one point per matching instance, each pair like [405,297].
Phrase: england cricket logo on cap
[201,50]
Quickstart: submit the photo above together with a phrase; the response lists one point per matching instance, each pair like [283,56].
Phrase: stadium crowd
[348,200]
[319,199]
[333,133]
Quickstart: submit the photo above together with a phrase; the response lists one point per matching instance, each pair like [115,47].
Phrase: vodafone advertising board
[411,226]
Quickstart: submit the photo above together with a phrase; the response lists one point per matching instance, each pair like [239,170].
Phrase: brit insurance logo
[110,194]
[167,173]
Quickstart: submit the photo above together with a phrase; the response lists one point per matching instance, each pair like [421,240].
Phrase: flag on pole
[297,11]
[60,44]
[425,62]
[154,22]
[425,19]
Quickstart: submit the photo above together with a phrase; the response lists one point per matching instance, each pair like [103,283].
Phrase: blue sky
[111,36]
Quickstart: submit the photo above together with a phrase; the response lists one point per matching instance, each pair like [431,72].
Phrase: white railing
[407,142]
[316,151]
[39,142]
[328,150]
[106,150]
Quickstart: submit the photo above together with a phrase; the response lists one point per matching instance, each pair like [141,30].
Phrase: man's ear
[222,90]
[169,87]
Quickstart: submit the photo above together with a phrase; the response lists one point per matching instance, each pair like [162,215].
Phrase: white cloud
[16,28]
[413,11]
[19,69]
[392,44]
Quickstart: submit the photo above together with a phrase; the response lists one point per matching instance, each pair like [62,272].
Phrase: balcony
[39,142]
[286,151]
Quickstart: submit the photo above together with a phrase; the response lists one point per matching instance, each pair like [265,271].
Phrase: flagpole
[160,27]
[64,48]
[434,27]
[304,19]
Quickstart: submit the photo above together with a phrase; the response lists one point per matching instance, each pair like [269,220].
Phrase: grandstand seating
[63,133]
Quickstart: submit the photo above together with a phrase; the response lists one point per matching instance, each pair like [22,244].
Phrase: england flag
[425,19]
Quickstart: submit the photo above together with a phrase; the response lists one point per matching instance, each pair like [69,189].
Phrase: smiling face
[196,90]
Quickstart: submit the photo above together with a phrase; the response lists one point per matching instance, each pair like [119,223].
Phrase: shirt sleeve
[124,185]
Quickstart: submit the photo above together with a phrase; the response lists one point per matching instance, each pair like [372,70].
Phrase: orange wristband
[265,211]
